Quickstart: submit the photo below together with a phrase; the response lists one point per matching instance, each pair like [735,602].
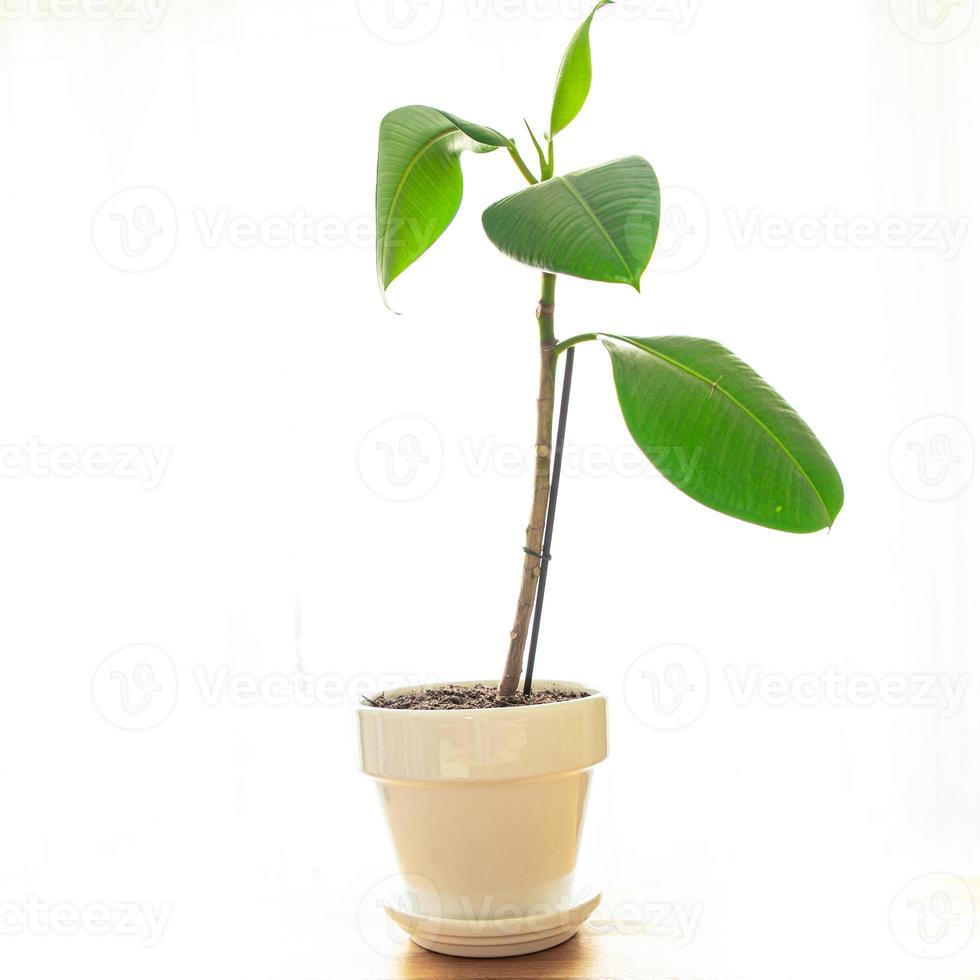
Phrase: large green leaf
[597,224]
[574,77]
[420,180]
[717,431]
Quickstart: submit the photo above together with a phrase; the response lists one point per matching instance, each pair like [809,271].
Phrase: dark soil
[464,698]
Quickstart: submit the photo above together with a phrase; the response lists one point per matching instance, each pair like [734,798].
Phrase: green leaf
[574,77]
[420,181]
[597,224]
[718,432]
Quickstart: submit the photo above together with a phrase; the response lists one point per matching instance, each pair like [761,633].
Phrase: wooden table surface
[589,955]
[586,956]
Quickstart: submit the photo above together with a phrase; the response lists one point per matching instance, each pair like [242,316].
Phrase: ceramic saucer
[495,937]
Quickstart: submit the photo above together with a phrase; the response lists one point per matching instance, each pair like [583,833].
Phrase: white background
[198,382]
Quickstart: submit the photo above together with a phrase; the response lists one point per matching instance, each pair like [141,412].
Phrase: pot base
[494,937]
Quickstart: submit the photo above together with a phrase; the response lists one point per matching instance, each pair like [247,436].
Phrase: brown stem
[542,486]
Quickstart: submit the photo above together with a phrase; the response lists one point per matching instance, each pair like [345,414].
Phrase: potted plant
[484,785]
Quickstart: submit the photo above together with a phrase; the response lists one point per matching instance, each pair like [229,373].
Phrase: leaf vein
[581,200]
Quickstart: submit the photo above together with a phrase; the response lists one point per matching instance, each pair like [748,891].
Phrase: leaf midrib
[738,404]
[566,183]
[401,185]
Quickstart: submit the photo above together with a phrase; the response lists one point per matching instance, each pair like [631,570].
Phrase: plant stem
[542,486]
[521,165]
[549,523]
[572,341]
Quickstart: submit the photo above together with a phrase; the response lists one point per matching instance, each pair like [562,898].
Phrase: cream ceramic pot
[486,806]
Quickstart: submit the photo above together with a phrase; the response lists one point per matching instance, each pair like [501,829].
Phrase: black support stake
[549,524]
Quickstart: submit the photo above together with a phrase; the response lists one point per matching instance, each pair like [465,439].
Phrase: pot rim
[460,712]
[450,745]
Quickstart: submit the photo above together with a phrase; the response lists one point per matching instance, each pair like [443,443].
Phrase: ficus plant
[757,460]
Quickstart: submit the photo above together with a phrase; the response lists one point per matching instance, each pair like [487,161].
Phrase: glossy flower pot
[486,809]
